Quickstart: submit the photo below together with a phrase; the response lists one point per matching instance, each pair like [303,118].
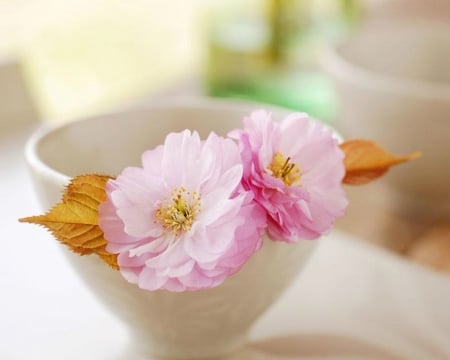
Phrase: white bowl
[205,324]
[393,83]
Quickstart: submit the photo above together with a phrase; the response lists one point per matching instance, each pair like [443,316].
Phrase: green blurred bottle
[267,50]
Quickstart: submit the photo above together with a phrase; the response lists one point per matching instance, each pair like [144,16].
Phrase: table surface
[354,300]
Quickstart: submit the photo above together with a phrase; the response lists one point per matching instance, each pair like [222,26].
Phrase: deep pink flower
[295,170]
[182,221]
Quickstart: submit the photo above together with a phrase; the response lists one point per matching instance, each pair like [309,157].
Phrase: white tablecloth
[352,301]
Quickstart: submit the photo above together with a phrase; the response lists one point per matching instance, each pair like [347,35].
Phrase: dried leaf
[366,161]
[74,221]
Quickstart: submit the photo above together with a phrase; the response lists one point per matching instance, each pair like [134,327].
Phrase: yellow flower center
[178,214]
[282,168]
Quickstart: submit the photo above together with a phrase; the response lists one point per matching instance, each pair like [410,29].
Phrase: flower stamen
[178,214]
[282,168]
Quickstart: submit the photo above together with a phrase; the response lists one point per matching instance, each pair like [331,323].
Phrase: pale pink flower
[295,169]
[182,221]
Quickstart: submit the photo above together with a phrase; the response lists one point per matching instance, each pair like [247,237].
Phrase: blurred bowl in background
[393,85]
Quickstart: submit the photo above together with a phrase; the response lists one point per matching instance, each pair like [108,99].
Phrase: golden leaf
[74,221]
[366,161]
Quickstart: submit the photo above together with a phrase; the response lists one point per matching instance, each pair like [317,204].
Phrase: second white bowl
[393,85]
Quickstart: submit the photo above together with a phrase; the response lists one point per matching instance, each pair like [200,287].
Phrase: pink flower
[182,221]
[295,169]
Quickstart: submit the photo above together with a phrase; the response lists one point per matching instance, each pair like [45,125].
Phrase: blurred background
[371,68]
[80,57]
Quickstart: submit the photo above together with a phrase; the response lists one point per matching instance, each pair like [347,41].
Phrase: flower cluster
[196,211]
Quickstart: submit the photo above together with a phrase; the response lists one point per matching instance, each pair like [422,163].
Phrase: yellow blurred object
[82,56]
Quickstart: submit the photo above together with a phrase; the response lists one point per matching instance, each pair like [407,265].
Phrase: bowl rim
[336,64]
[38,165]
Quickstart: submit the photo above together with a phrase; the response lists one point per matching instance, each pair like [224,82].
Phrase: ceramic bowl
[206,324]
[393,84]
